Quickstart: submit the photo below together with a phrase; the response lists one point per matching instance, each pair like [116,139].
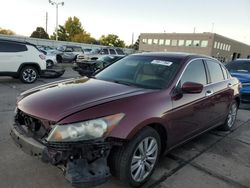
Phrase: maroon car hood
[57,100]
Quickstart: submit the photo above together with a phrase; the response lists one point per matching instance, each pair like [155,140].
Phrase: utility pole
[132,38]
[46,27]
[56,4]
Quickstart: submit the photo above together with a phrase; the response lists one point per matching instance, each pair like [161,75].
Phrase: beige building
[211,44]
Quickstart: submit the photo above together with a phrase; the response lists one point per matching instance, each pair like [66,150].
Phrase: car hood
[55,101]
[243,77]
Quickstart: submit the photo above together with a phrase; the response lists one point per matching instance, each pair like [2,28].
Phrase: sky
[230,18]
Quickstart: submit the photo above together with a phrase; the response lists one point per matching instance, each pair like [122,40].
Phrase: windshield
[141,71]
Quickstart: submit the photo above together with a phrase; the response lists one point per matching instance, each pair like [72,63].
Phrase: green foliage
[73,27]
[135,46]
[112,40]
[40,33]
[6,31]
[62,34]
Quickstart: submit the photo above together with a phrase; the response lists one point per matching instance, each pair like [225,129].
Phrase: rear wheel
[49,63]
[28,74]
[231,117]
[135,162]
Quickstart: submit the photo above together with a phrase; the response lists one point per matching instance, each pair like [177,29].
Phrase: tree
[84,37]
[6,31]
[112,40]
[73,27]
[62,34]
[40,33]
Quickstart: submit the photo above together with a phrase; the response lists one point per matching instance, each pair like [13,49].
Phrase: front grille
[245,96]
[31,125]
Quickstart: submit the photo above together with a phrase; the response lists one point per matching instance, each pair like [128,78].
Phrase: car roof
[245,60]
[17,42]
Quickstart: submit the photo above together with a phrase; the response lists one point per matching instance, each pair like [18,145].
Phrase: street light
[57,4]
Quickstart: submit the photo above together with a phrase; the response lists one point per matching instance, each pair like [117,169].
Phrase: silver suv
[99,52]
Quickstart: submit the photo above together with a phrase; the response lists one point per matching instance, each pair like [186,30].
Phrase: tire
[28,74]
[231,117]
[59,59]
[49,63]
[120,159]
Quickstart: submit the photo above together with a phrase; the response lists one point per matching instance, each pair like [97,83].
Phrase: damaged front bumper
[85,164]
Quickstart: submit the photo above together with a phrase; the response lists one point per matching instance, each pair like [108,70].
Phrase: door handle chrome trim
[209,93]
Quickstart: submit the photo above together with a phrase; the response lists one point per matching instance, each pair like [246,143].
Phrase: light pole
[57,4]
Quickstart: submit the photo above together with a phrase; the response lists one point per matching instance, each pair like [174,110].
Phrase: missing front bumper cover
[81,172]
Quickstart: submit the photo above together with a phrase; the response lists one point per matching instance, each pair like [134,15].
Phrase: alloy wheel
[144,159]
[29,75]
[232,115]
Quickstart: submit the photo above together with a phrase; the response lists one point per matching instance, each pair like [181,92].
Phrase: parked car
[99,52]
[50,57]
[21,60]
[240,68]
[121,120]
[68,53]
[88,68]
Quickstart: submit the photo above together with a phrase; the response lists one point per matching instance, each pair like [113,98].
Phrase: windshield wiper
[123,82]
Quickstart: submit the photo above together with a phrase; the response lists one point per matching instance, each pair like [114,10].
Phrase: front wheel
[28,74]
[231,117]
[135,162]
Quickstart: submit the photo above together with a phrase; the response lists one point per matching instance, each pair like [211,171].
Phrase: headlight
[86,130]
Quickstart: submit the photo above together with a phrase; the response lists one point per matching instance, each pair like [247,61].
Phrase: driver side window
[195,72]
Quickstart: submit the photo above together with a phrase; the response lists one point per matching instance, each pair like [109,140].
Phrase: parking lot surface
[215,159]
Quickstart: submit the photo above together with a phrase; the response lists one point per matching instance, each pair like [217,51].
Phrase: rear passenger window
[195,72]
[112,51]
[215,71]
[119,51]
[12,47]
[105,51]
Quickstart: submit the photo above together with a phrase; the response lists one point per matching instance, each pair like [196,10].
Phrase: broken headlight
[87,130]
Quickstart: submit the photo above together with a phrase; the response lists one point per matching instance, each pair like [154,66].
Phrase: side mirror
[192,87]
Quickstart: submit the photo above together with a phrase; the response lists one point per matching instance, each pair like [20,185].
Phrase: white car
[50,57]
[21,60]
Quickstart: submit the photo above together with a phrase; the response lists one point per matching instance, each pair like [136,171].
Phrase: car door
[68,54]
[11,56]
[221,91]
[191,112]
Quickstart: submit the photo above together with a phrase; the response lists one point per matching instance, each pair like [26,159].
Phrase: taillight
[42,56]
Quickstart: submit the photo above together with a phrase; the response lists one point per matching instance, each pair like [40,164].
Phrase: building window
[204,43]
[181,43]
[215,44]
[218,45]
[161,42]
[224,47]
[188,42]
[167,42]
[196,43]
[144,41]
[155,41]
[229,47]
[221,46]
[150,41]
[174,43]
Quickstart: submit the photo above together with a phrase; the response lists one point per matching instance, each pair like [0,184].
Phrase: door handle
[229,85]
[209,93]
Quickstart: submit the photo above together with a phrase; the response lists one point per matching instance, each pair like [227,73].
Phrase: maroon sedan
[120,121]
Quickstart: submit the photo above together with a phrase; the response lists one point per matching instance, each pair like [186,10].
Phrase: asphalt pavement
[213,160]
